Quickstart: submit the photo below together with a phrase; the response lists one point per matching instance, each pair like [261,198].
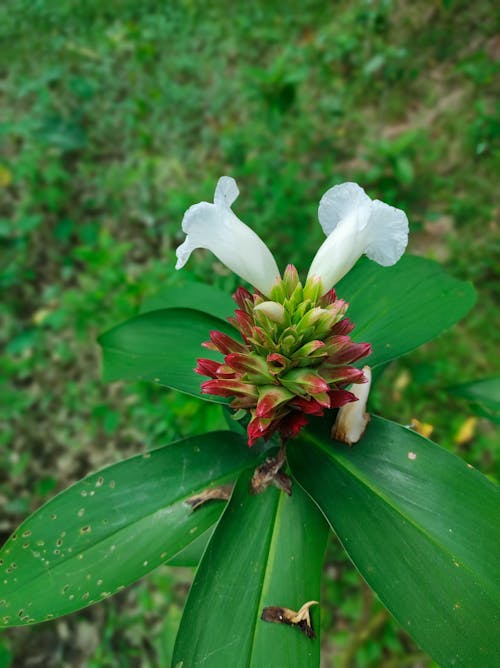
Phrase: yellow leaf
[400,384]
[402,381]
[5,177]
[422,428]
[466,431]
[41,315]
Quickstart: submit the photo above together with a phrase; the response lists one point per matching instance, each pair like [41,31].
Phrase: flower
[295,356]
[215,227]
[353,223]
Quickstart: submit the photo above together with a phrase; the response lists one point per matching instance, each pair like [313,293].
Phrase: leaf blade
[113,527]
[197,296]
[234,584]
[413,542]
[162,347]
[484,394]
[399,308]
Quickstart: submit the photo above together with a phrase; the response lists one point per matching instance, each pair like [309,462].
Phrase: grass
[115,117]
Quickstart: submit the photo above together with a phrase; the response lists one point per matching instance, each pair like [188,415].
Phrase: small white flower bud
[352,418]
[273,310]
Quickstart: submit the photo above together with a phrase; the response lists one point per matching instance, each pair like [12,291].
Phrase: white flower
[215,227]
[352,418]
[355,224]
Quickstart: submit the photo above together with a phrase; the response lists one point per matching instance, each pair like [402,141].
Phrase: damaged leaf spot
[222,493]
[301,619]
[271,473]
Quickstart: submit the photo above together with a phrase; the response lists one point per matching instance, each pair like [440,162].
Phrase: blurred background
[115,117]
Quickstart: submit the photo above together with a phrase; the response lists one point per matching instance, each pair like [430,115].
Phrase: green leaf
[162,347]
[113,527]
[266,550]
[421,526]
[398,308]
[484,393]
[191,555]
[197,296]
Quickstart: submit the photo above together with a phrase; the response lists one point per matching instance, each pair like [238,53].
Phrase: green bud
[304,381]
[313,289]
[291,280]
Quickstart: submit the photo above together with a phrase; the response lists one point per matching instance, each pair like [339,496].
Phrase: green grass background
[114,118]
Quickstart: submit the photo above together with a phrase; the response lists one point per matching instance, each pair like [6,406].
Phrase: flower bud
[272,310]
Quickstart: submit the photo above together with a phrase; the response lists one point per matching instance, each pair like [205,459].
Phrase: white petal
[338,203]
[355,225]
[352,418]
[388,233]
[198,212]
[215,227]
[226,191]
[341,249]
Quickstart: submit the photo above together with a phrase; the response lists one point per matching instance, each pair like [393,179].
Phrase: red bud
[207,367]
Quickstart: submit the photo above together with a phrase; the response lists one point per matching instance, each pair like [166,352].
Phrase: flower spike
[283,373]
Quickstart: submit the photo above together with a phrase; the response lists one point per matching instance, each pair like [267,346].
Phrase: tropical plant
[417,522]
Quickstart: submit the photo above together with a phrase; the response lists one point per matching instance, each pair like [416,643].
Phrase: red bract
[293,359]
